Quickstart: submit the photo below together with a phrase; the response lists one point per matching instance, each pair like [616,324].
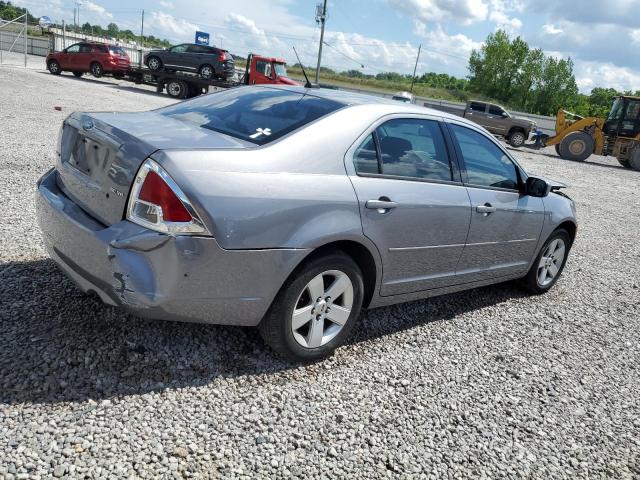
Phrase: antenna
[308,84]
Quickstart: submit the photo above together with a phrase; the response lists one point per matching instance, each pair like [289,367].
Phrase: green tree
[113,30]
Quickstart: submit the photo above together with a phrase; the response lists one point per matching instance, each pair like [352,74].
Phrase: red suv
[97,58]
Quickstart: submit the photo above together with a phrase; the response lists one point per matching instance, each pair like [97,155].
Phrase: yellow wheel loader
[618,135]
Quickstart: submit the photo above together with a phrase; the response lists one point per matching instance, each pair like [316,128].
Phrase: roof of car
[354,98]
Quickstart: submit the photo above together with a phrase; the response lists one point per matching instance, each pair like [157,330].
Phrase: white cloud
[635,36]
[551,29]
[503,21]
[500,10]
[173,27]
[166,4]
[597,74]
[96,9]
[464,12]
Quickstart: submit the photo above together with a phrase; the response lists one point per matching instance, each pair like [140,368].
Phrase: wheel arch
[367,260]
[571,228]
[516,128]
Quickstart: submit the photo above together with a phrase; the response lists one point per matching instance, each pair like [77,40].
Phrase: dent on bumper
[160,276]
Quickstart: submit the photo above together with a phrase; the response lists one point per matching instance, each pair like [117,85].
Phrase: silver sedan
[291,209]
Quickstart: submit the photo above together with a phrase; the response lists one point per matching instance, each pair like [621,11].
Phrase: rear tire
[302,327]
[577,146]
[96,69]
[549,263]
[557,147]
[54,67]
[177,89]
[624,163]
[516,139]
[634,160]
[154,64]
[78,74]
[206,72]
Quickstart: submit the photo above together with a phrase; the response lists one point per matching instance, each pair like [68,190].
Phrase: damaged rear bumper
[184,278]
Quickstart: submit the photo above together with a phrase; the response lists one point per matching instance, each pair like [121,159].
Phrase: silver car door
[505,224]
[412,203]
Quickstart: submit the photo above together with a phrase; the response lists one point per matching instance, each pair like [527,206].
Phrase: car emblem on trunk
[117,192]
[87,124]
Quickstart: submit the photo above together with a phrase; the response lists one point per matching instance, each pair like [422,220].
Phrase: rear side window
[485,163]
[198,49]
[257,115]
[85,48]
[477,107]
[100,48]
[409,148]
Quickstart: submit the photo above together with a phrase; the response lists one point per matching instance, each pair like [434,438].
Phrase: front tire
[96,70]
[577,146]
[54,67]
[316,308]
[549,263]
[154,64]
[516,139]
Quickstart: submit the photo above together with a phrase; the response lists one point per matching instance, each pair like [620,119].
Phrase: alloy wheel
[206,72]
[551,262]
[322,309]
[154,63]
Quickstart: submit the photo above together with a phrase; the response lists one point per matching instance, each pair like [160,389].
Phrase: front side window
[74,48]
[178,49]
[256,115]
[497,111]
[281,70]
[408,148]
[261,67]
[485,163]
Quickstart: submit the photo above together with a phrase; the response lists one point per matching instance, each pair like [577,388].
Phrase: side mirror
[504,115]
[537,187]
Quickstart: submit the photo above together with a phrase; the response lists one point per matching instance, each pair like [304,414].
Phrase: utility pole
[78,3]
[321,17]
[142,30]
[26,27]
[74,17]
[413,79]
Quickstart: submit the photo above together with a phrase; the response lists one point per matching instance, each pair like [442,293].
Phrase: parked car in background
[498,121]
[85,57]
[291,209]
[208,62]
[405,97]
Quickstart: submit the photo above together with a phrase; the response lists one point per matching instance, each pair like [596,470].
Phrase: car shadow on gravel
[84,78]
[59,345]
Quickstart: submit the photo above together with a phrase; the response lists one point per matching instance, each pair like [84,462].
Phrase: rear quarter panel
[293,193]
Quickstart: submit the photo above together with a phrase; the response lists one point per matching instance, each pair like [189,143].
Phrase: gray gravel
[490,383]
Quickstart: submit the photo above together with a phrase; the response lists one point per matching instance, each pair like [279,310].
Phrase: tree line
[524,78]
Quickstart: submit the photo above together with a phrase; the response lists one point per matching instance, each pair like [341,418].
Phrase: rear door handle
[382,206]
[485,209]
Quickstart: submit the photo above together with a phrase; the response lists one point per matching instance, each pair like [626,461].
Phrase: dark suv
[208,62]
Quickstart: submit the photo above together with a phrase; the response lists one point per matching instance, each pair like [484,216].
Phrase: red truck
[266,70]
[259,70]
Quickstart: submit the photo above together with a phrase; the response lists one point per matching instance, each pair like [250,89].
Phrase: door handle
[382,206]
[485,209]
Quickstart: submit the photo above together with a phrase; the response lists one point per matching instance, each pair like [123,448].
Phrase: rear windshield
[116,50]
[257,115]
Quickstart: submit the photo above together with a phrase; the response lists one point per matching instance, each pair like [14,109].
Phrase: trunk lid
[99,155]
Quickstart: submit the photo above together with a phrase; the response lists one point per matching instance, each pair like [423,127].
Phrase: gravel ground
[490,383]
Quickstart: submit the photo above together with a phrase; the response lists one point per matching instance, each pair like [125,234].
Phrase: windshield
[116,50]
[616,110]
[281,70]
[257,115]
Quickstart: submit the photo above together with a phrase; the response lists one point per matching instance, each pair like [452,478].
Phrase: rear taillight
[222,56]
[157,203]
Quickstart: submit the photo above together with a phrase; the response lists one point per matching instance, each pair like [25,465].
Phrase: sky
[602,38]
